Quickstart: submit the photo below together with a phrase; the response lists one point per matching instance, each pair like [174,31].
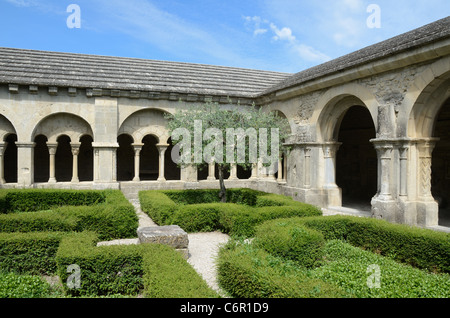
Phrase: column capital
[330,149]
[162,147]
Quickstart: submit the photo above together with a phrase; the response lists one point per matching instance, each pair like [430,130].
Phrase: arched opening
[171,169]
[440,167]
[202,172]
[10,159]
[356,159]
[125,158]
[41,159]
[149,161]
[244,173]
[86,159]
[63,159]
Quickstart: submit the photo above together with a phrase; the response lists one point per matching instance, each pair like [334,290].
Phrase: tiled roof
[407,41]
[42,68]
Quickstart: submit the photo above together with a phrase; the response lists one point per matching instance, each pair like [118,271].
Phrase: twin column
[137,151]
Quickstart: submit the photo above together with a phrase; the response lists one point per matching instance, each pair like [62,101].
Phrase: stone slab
[171,235]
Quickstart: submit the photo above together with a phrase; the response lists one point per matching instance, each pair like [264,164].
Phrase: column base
[385,208]
[427,213]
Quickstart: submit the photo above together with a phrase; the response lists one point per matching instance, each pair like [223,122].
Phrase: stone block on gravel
[171,235]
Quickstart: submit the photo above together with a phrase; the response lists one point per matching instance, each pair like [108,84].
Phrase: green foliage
[351,268]
[158,205]
[23,286]
[418,247]
[44,199]
[113,219]
[248,272]
[288,239]
[168,275]
[238,217]
[157,270]
[199,217]
[212,115]
[30,253]
[37,222]
[104,270]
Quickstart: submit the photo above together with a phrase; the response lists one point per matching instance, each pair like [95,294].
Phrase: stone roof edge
[425,49]
[70,91]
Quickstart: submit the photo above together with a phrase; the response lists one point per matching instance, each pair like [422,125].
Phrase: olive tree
[224,135]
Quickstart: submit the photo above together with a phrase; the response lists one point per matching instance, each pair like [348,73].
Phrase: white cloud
[22,3]
[283,34]
[255,23]
[259,31]
[310,54]
[286,35]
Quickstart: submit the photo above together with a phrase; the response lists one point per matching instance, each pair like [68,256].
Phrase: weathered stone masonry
[369,129]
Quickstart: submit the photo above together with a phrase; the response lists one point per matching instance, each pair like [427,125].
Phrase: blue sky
[277,35]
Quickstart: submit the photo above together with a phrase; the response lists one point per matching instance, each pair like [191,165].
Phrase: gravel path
[203,247]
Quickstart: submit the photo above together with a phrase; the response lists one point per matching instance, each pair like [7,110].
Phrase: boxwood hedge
[269,266]
[153,269]
[25,200]
[112,218]
[200,210]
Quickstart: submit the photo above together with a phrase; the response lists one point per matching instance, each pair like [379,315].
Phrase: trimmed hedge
[43,199]
[157,270]
[115,218]
[248,272]
[168,275]
[29,253]
[104,270]
[422,248]
[238,217]
[291,241]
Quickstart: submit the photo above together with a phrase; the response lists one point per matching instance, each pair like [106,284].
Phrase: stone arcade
[370,130]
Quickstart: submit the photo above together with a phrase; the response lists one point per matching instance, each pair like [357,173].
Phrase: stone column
[211,171]
[25,163]
[307,168]
[329,154]
[425,154]
[137,160]
[105,173]
[2,162]
[427,208]
[162,150]
[52,147]
[254,171]
[280,170]
[403,151]
[384,152]
[233,172]
[75,152]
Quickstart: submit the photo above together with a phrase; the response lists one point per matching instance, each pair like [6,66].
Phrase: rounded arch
[56,125]
[149,121]
[425,98]
[333,104]
[6,128]
[282,114]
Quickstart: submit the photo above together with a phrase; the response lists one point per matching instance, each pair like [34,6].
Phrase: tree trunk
[223,191]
